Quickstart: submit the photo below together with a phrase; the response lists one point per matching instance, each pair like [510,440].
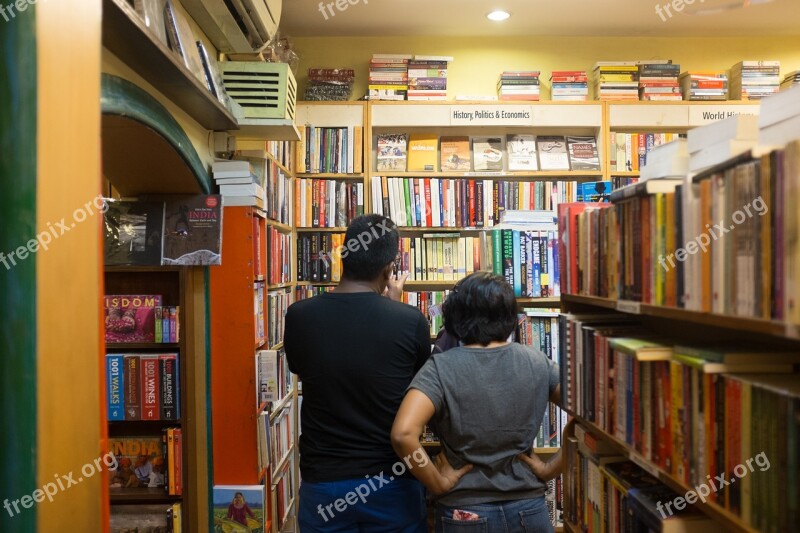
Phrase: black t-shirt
[356,353]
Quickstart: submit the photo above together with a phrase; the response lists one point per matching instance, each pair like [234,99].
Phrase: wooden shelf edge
[323,230]
[279,164]
[280,226]
[329,175]
[550,174]
[754,325]
[711,509]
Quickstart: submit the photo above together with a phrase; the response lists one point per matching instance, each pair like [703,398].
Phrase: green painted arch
[124,99]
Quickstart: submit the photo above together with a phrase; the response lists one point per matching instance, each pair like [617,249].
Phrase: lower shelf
[142,495]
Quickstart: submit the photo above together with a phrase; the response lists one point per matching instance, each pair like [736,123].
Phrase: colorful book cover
[487,153]
[522,152]
[131,318]
[192,230]
[392,152]
[583,153]
[114,387]
[133,232]
[455,154]
[239,508]
[140,462]
[422,152]
[151,381]
[132,376]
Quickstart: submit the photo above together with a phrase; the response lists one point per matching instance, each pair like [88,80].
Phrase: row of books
[629,151]
[284,487]
[282,152]
[277,304]
[322,203]
[279,258]
[140,318]
[400,152]
[273,378]
[259,288]
[283,439]
[143,386]
[278,205]
[603,491]
[693,411]
[469,203]
[429,304]
[517,85]
[319,257]
[669,253]
[163,230]
[303,292]
[153,518]
[144,462]
[330,150]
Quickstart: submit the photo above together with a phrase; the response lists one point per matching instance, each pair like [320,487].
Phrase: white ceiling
[540,17]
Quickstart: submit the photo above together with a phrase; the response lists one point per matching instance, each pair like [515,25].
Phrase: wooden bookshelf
[330,175]
[509,175]
[753,325]
[280,226]
[127,37]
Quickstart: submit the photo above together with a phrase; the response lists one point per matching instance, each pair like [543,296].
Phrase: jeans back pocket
[467,526]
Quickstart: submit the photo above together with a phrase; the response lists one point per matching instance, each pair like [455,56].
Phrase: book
[115,392]
[392,150]
[583,153]
[140,462]
[239,507]
[133,232]
[487,153]
[522,152]
[130,317]
[552,152]
[422,152]
[192,230]
[182,41]
[455,154]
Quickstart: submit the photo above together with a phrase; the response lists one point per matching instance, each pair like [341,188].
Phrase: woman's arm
[552,468]
[415,411]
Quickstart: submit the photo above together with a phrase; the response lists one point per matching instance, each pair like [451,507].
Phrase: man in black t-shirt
[356,352]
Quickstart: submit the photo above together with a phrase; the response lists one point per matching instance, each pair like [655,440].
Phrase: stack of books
[779,120]
[427,78]
[388,77]
[659,81]
[753,80]
[240,183]
[616,80]
[791,80]
[569,85]
[629,150]
[519,85]
[719,141]
[705,85]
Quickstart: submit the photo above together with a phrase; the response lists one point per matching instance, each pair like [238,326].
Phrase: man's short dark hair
[371,243]
[481,309]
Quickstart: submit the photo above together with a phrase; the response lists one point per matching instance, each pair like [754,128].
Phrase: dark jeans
[516,516]
[356,506]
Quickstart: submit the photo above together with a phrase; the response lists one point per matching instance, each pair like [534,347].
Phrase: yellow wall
[479,60]
[68,280]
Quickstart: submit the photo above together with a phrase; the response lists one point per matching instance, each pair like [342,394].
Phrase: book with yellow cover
[455,154]
[422,152]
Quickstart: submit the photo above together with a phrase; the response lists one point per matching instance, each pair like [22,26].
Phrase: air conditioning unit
[236,26]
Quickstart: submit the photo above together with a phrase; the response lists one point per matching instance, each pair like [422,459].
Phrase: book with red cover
[151,409]
[177,467]
[568,242]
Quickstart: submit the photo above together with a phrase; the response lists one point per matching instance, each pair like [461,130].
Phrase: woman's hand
[449,475]
[542,470]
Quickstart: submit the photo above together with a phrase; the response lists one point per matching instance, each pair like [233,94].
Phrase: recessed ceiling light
[498,16]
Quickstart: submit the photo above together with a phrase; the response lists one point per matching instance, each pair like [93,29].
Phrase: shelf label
[645,465]
[491,115]
[628,306]
[702,114]
[484,174]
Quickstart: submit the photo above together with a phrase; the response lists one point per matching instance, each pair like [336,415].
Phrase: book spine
[150,389]
[132,387]
[115,387]
[169,386]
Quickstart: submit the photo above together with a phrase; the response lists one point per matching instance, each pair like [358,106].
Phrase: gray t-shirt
[489,406]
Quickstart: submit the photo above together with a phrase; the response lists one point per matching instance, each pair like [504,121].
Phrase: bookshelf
[127,37]
[135,429]
[240,330]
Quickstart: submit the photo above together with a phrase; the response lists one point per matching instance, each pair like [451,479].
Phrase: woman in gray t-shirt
[485,400]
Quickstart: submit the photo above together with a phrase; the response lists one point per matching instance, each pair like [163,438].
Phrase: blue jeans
[358,506]
[514,516]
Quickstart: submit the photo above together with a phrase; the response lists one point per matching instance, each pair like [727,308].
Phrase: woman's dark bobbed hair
[480,309]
